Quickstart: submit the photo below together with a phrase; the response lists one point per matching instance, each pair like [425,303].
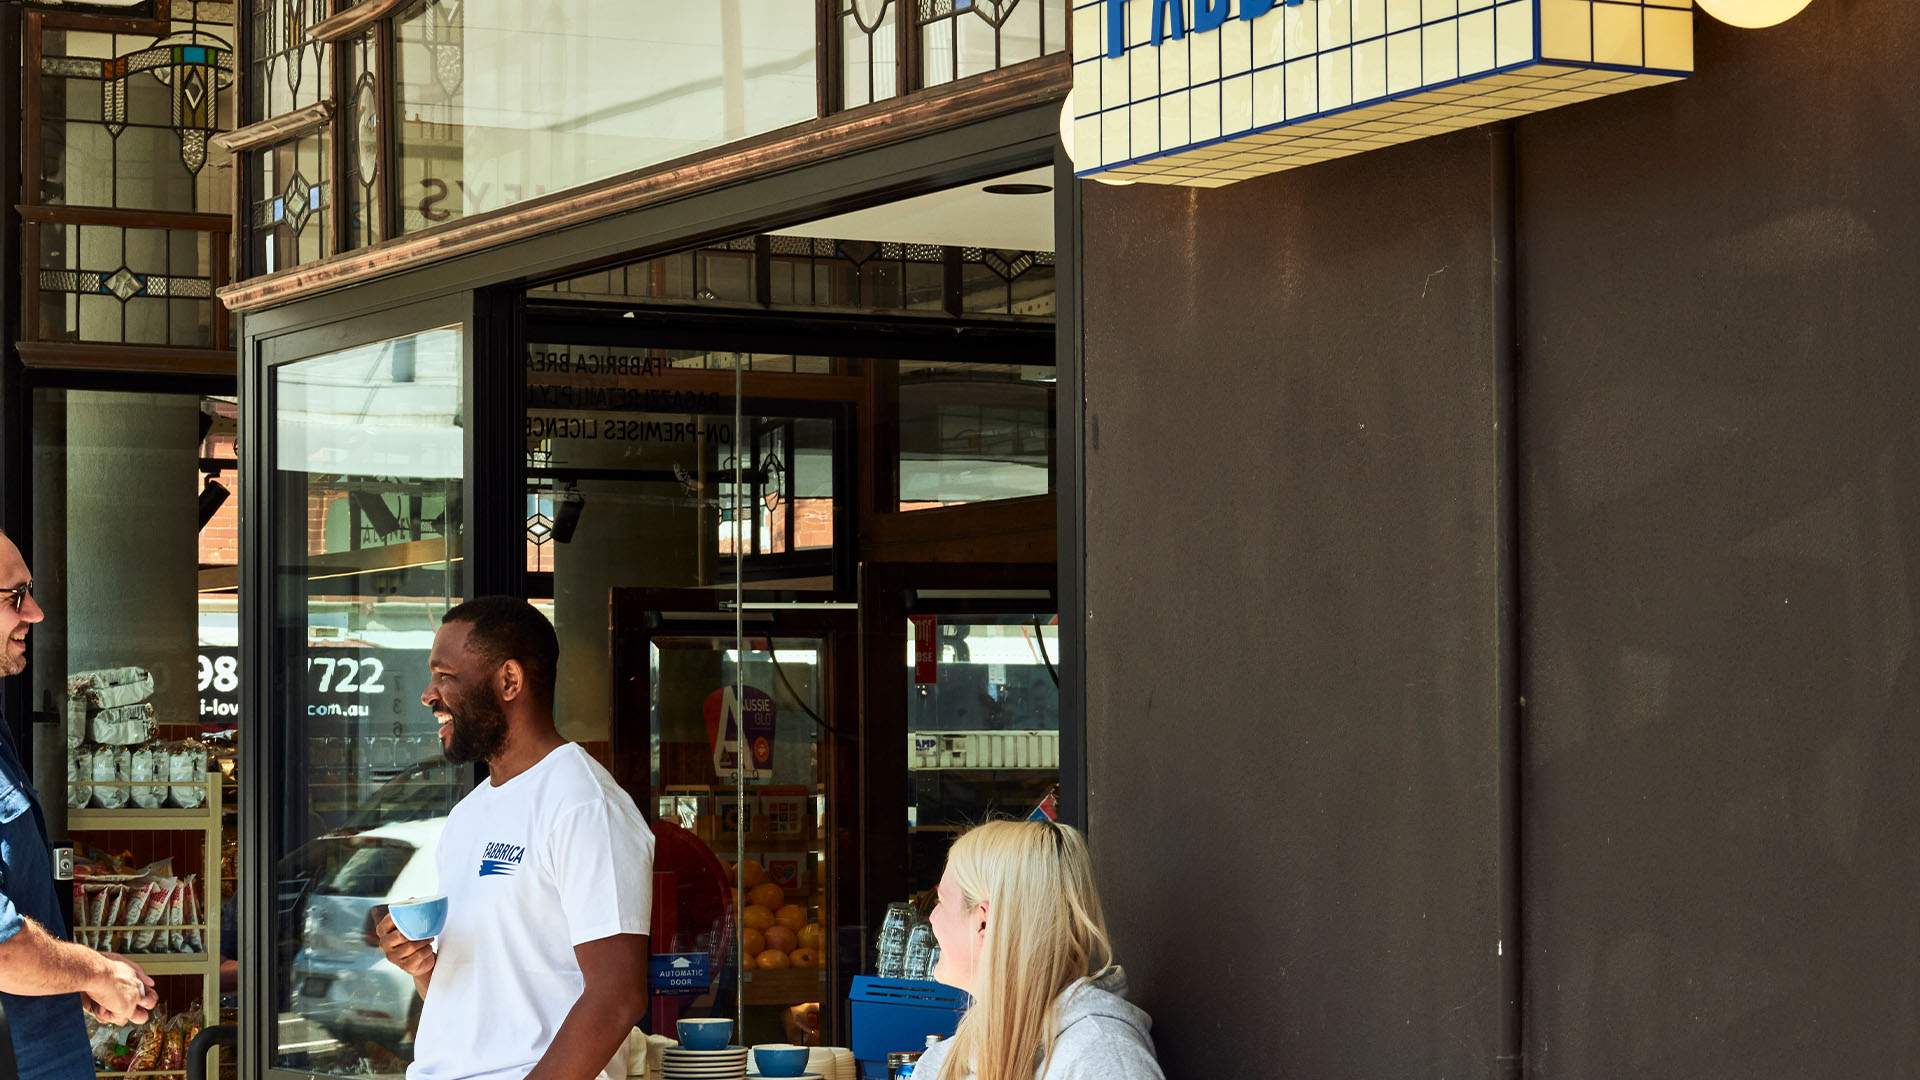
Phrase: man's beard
[9,663]
[479,729]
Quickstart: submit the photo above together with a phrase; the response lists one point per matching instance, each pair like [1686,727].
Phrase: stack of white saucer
[679,1063]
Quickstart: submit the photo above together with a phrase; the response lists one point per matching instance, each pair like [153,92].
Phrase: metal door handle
[203,1044]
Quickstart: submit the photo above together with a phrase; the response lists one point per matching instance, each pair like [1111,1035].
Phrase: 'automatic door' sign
[1204,93]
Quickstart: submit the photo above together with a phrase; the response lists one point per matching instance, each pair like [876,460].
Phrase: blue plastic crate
[892,1016]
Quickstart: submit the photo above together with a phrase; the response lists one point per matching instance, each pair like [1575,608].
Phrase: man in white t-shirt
[547,867]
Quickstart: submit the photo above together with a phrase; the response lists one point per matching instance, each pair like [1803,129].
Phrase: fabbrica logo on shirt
[501,860]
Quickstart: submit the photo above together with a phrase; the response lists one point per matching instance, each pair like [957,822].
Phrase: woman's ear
[981,919]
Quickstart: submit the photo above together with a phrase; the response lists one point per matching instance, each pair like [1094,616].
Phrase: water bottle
[920,945]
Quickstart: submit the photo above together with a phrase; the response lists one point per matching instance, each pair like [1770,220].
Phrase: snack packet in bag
[109,793]
[151,1048]
[129,725]
[76,722]
[148,764]
[79,777]
[195,941]
[177,914]
[96,914]
[144,895]
[116,899]
[148,939]
[174,1057]
[111,687]
[187,771]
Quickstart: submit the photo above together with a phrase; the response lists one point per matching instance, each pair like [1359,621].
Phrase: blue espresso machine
[892,1016]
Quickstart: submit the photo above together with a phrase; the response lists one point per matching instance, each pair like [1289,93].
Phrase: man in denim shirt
[45,981]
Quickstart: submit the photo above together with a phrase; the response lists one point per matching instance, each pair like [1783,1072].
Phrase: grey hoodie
[1102,1037]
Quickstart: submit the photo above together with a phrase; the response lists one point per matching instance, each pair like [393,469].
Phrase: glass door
[743,746]
[367,447]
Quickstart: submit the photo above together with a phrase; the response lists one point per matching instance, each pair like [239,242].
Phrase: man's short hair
[503,628]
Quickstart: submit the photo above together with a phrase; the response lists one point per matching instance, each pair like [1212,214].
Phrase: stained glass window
[130,286]
[126,119]
[959,38]
[719,273]
[122,113]
[361,143]
[1006,282]
[869,50]
[818,272]
[291,223]
[289,71]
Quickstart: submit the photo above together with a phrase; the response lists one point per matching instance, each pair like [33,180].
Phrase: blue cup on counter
[705,1033]
[780,1059]
[421,918]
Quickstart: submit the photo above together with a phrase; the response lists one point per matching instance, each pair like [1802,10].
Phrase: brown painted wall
[1292,688]
[1295,692]
[1720,412]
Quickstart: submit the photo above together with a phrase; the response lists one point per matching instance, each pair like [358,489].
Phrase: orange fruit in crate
[767,895]
[812,936]
[803,958]
[793,917]
[781,938]
[753,943]
[751,874]
[756,917]
[772,960]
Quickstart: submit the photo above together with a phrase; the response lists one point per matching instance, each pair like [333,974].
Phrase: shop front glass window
[628,442]
[502,101]
[134,551]
[974,433]
[983,728]
[368,450]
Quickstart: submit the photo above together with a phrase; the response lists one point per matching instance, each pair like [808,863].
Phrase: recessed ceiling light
[1016,189]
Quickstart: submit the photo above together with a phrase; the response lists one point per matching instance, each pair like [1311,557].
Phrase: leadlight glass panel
[960,38]
[720,273]
[289,71]
[1006,282]
[102,283]
[127,120]
[869,51]
[293,206]
[362,143]
[818,272]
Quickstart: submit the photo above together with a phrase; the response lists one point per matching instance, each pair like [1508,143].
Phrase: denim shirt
[49,1033]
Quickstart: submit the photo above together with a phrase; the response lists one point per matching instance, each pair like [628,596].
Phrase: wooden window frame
[34,349]
[833,131]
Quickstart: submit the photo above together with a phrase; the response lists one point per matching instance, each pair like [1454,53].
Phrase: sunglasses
[17,595]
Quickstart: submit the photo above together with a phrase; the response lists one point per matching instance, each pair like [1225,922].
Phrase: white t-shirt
[553,858]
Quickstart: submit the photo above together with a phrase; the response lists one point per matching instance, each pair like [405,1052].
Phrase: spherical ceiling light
[1753,14]
[1066,143]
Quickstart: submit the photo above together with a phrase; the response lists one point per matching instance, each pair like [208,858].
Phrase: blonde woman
[1020,929]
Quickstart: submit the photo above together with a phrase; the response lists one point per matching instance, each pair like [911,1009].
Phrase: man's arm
[34,963]
[614,1000]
